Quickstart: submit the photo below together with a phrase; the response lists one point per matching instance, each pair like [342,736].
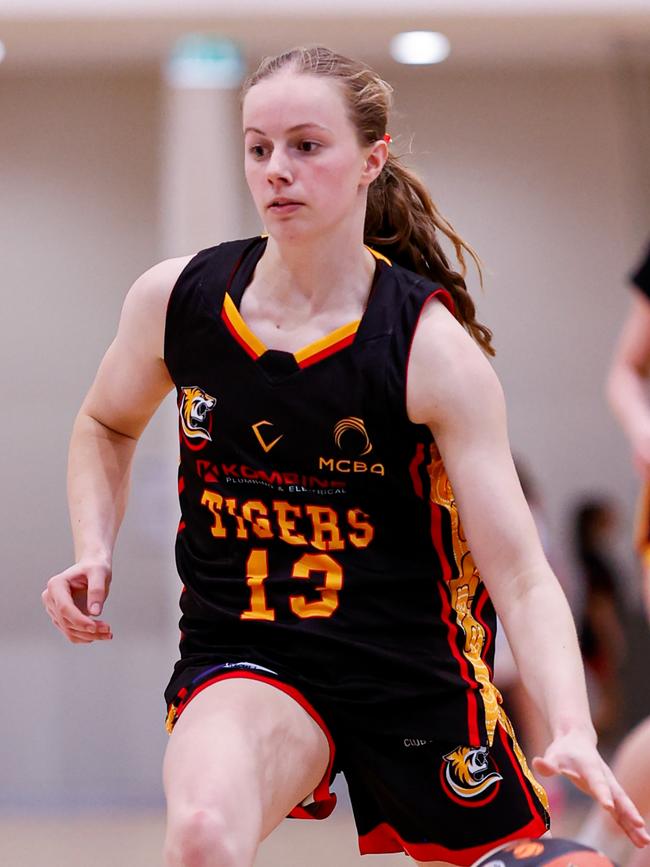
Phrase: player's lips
[281,205]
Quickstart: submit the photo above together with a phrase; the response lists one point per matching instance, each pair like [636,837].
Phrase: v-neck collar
[313,352]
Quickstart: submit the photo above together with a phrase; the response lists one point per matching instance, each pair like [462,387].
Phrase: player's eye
[308,147]
[257,151]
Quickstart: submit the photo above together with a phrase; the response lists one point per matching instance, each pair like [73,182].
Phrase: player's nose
[278,166]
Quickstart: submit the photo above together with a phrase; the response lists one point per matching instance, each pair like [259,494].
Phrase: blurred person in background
[627,386]
[627,391]
[333,615]
[601,629]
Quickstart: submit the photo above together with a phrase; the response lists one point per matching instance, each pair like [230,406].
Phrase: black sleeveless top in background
[319,534]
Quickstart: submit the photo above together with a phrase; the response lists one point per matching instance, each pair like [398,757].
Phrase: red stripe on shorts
[524,783]
[384,838]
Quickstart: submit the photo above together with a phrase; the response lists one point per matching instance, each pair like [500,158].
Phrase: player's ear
[376,156]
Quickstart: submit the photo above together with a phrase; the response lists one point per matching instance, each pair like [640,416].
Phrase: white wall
[534,170]
[78,223]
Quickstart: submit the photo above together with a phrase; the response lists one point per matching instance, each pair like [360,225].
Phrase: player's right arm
[131,382]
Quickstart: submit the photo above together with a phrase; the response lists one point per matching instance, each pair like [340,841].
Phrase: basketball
[549,852]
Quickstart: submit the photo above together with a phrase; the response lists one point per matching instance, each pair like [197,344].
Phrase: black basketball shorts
[433,798]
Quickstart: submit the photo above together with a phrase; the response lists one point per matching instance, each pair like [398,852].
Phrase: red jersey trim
[330,344]
[233,321]
[308,355]
[461,592]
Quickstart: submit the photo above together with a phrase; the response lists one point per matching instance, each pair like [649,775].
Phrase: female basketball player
[333,618]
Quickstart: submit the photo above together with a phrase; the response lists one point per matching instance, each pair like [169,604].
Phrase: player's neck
[322,273]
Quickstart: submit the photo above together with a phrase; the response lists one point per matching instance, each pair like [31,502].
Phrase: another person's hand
[574,755]
[73,597]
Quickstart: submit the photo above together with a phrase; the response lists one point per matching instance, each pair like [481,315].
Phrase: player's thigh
[246,751]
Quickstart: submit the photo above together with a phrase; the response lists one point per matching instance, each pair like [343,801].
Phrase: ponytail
[401,222]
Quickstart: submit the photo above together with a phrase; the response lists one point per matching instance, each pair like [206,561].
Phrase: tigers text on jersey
[319,534]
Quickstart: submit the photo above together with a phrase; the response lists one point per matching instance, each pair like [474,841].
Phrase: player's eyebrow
[295,128]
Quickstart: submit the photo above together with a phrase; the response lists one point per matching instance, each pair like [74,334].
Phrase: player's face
[304,165]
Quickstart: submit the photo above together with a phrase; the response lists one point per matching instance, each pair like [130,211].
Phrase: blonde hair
[402,220]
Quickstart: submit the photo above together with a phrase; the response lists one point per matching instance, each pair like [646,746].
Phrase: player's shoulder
[447,368]
[154,286]
[142,321]
[156,283]
[440,337]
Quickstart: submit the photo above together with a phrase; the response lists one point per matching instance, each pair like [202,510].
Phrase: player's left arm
[453,389]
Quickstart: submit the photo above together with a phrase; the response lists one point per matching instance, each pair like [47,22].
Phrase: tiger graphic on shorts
[467,772]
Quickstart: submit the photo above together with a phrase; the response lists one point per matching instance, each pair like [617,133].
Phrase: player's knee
[204,838]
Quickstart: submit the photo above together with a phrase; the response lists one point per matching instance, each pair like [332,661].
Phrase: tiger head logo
[194,409]
[467,772]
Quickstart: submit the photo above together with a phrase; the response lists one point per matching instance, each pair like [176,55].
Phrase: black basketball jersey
[319,534]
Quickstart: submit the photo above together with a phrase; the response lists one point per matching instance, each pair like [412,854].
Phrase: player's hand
[574,755]
[74,597]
